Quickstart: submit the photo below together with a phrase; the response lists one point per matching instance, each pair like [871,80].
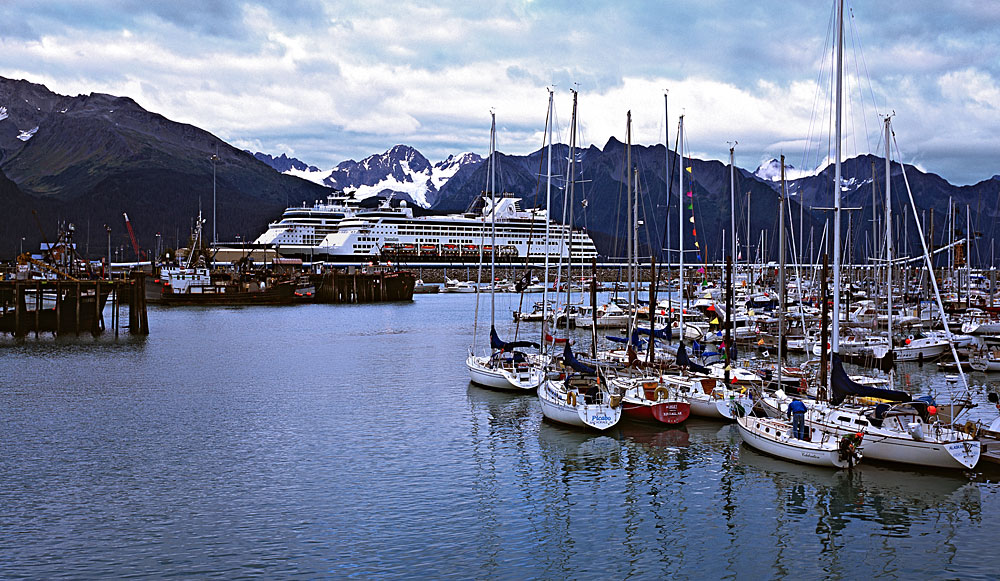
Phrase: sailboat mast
[781,272]
[732,197]
[568,207]
[835,332]
[493,218]
[548,222]
[680,227]
[888,231]
[666,168]
[628,197]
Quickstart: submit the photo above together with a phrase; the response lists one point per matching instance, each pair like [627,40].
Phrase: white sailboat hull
[526,378]
[557,405]
[773,437]
[900,447]
[925,350]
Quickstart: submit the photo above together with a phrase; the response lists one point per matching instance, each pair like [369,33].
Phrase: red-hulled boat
[647,399]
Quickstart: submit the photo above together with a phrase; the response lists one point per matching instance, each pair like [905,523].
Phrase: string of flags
[694,229]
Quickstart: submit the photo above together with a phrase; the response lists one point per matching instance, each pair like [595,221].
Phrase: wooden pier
[71,306]
[340,287]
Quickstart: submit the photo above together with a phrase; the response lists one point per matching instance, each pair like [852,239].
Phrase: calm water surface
[346,441]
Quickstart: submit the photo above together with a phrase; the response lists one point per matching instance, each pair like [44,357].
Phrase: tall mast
[732,198]
[680,228]
[888,230]
[628,196]
[835,338]
[568,207]
[548,204]
[493,218]
[666,167]
[781,272]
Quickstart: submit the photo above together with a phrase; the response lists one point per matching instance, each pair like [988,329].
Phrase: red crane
[131,234]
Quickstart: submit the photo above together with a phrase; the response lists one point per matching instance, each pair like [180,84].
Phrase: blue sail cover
[684,361]
[635,341]
[843,386]
[658,333]
[498,344]
[572,361]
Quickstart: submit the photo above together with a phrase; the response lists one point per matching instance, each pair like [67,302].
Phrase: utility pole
[215,235]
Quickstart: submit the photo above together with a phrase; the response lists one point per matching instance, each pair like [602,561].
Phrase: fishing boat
[193,283]
[775,437]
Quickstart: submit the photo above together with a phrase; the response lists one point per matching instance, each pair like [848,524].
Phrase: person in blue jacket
[797,411]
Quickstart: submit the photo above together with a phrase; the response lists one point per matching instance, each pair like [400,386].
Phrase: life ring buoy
[571,398]
[661,392]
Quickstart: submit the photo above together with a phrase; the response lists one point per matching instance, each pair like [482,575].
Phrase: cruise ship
[301,229]
[340,231]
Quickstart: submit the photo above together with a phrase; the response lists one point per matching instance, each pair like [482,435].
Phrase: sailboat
[581,396]
[774,437]
[906,431]
[820,446]
[645,398]
[508,366]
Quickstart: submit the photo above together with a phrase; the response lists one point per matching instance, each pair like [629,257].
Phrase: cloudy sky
[326,81]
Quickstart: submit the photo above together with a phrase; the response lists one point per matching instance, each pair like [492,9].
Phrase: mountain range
[600,182]
[89,158]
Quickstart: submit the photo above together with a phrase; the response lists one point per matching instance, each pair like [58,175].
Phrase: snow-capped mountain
[401,171]
[769,171]
[293,166]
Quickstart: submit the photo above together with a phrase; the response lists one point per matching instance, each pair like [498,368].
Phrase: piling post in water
[98,324]
[77,300]
[20,309]
[59,292]
[139,290]
[38,307]
[116,315]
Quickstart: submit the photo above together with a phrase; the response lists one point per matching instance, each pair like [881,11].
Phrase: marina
[614,354]
[347,440]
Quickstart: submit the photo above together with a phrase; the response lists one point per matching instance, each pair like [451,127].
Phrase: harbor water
[336,441]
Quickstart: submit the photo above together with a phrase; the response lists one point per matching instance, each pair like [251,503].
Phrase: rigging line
[647,209]
[856,49]
[931,276]
[864,63]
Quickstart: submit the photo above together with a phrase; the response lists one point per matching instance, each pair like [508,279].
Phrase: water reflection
[828,505]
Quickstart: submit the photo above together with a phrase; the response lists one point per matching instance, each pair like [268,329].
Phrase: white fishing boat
[775,437]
